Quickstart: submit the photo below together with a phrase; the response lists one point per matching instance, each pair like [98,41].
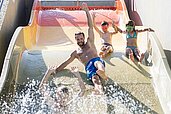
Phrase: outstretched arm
[75,71]
[120,30]
[94,24]
[42,88]
[65,63]
[115,27]
[90,23]
[147,29]
[54,69]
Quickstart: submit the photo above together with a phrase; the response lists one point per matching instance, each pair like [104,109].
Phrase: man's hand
[52,70]
[75,71]
[84,6]
[93,15]
[81,93]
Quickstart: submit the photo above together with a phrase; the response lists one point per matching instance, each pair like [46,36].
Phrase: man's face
[80,39]
[105,28]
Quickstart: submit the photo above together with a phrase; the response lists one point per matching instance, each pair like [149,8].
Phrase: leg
[108,50]
[141,57]
[105,50]
[137,54]
[101,54]
[129,54]
[100,69]
[97,84]
[111,49]
[102,51]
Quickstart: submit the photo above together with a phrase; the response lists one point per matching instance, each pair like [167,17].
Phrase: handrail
[1,2]
[6,65]
[161,73]
[155,38]
[73,4]
[74,7]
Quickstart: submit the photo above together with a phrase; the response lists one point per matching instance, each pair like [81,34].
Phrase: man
[87,54]
[106,36]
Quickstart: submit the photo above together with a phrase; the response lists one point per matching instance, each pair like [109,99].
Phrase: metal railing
[161,73]
[1,2]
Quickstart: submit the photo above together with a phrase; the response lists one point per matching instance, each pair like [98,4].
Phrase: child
[106,37]
[131,37]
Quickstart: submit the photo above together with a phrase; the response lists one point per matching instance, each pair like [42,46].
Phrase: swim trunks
[91,69]
[107,44]
[104,45]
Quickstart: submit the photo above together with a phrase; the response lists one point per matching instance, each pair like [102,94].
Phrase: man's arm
[90,24]
[65,63]
[54,69]
[42,89]
[75,71]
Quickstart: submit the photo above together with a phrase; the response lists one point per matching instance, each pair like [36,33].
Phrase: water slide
[49,40]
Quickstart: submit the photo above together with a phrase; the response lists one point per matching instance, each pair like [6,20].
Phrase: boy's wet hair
[79,33]
[104,23]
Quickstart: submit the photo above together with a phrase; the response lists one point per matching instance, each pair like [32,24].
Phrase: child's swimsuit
[129,36]
[133,48]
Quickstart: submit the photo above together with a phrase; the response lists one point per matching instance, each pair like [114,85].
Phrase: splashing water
[115,101]
[31,101]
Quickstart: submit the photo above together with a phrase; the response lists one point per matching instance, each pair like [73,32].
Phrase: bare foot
[102,74]
[141,58]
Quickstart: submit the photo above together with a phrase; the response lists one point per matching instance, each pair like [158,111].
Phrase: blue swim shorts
[91,69]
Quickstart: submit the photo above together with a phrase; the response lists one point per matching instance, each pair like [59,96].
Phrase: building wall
[155,14]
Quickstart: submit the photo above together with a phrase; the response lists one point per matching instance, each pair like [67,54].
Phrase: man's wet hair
[79,33]
[104,23]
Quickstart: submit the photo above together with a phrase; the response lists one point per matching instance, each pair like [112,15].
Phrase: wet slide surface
[129,90]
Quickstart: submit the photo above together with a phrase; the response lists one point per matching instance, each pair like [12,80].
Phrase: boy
[106,37]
